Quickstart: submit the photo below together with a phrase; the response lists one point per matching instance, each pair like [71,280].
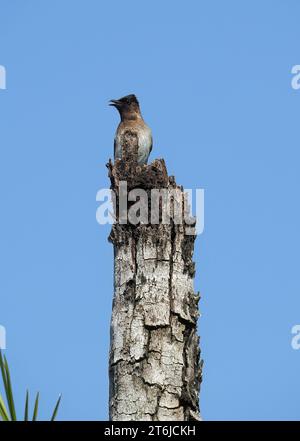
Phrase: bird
[132,121]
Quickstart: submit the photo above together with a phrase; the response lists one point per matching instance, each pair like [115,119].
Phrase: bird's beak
[115,103]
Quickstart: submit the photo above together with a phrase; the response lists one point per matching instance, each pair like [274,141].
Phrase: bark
[154,366]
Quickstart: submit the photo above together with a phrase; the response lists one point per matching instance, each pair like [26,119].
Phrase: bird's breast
[143,133]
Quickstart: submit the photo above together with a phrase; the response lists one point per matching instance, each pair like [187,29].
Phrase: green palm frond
[3,412]
[9,393]
[36,407]
[26,406]
[8,413]
[56,409]
[7,388]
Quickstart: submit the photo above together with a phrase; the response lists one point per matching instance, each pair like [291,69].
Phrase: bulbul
[132,120]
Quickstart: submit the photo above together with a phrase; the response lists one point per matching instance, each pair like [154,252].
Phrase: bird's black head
[128,106]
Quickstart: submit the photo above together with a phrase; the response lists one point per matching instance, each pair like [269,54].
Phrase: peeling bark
[154,366]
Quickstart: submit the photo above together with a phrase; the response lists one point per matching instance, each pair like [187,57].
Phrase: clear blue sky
[214,82]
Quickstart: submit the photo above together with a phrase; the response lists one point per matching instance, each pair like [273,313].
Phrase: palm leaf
[26,406]
[8,391]
[3,371]
[3,412]
[36,407]
[56,409]
[10,414]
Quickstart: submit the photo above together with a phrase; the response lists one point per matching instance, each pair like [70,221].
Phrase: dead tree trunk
[154,367]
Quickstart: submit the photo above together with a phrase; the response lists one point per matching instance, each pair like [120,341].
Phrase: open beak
[115,103]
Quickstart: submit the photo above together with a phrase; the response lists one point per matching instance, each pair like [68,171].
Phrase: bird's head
[128,107]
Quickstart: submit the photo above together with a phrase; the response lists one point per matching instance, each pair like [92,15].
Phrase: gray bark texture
[154,366]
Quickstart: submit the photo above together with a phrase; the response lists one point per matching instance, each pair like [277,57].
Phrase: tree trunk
[154,366]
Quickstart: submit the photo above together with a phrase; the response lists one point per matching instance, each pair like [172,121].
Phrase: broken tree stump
[154,365]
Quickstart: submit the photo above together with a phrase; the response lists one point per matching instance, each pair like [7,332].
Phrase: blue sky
[214,82]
